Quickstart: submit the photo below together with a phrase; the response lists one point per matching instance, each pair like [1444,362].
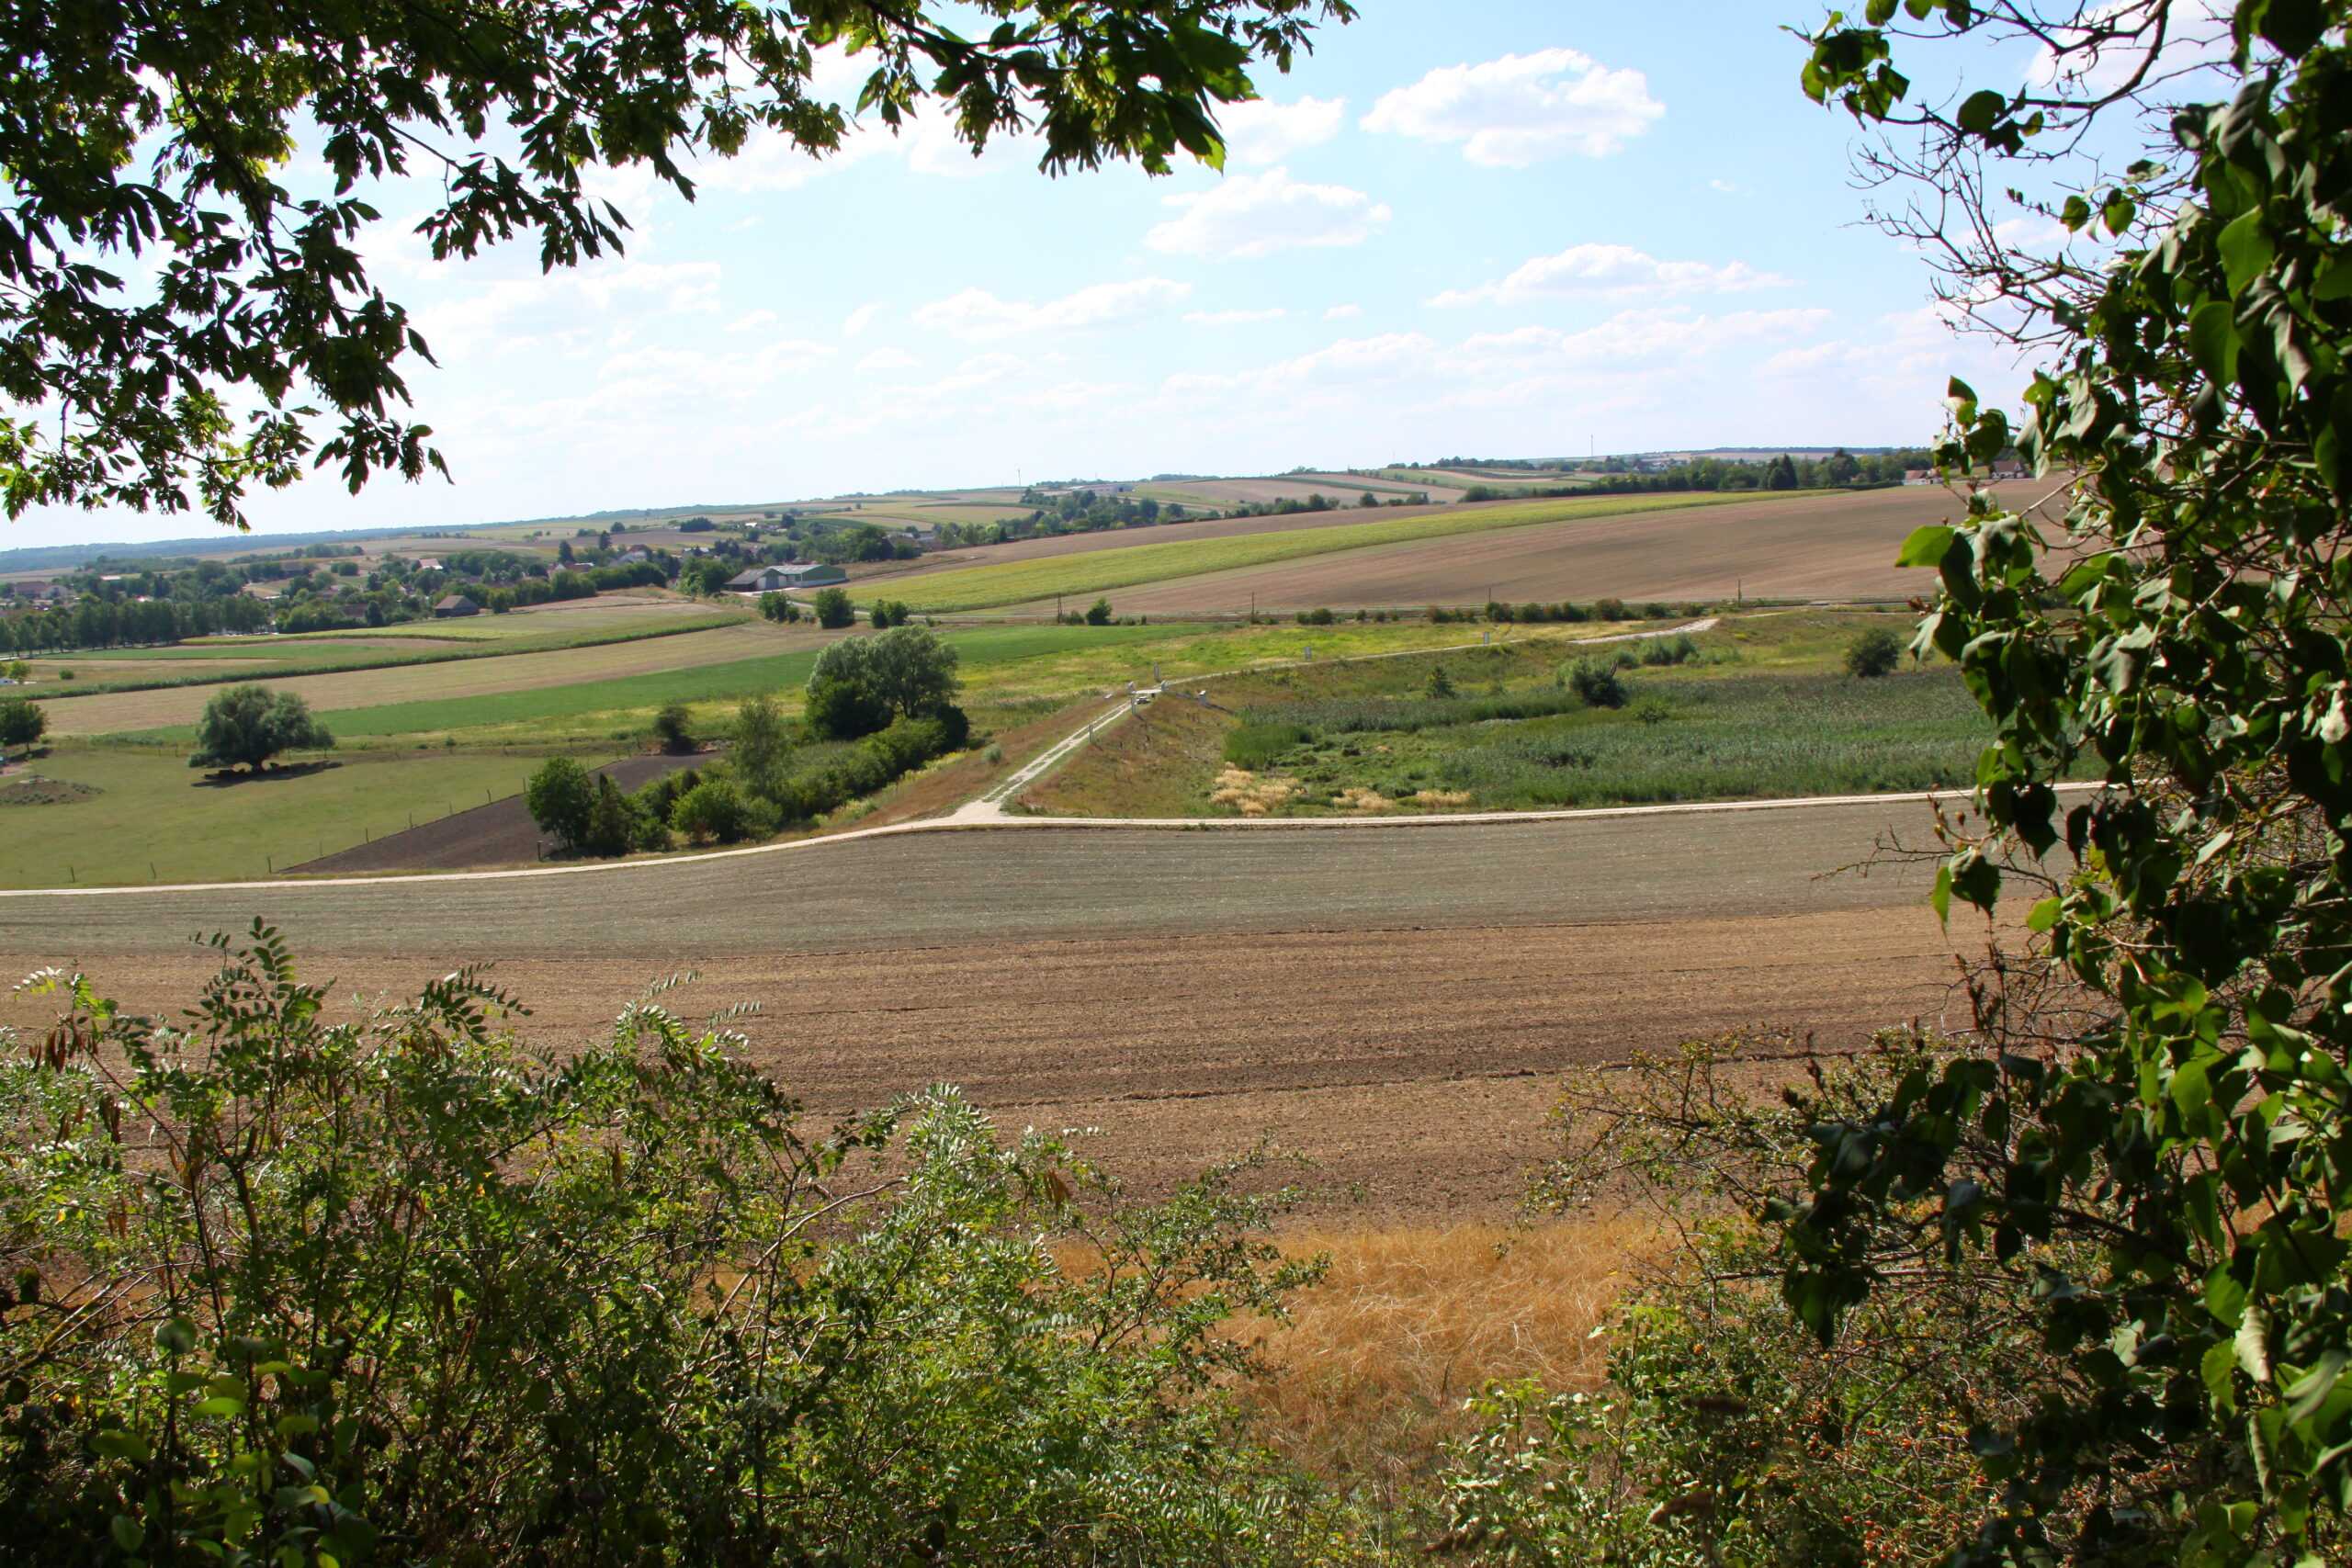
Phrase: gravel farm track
[1394,1001]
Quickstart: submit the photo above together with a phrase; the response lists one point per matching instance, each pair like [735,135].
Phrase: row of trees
[107,623]
[892,693]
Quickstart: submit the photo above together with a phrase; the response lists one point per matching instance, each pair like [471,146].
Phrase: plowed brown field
[1394,1002]
[1836,548]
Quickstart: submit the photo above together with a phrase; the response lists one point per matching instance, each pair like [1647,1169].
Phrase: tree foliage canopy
[2170,1161]
[154,139]
[860,684]
[246,725]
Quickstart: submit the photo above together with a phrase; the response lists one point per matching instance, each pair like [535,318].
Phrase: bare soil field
[1837,547]
[115,712]
[1159,534]
[1393,1002]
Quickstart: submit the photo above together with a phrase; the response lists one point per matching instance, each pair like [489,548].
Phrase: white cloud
[1677,331]
[857,320]
[1610,272]
[2196,32]
[1259,131]
[1522,108]
[886,359]
[1351,362]
[753,321]
[1247,216]
[1232,318]
[2032,232]
[503,311]
[695,374]
[1343,312]
[978,316]
[1723,186]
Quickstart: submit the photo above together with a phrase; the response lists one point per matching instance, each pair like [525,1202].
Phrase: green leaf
[1925,546]
[1940,896]
[2253,1344]
[127,1532]
[2219,1360]
[2246,252]
[1980,111]
[220,1405]
[2213,340]
[2044,914]
[2292,26]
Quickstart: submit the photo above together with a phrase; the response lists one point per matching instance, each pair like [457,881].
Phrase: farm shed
[455,605]
[758,580]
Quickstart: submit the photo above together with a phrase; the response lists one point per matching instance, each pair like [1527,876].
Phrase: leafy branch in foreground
[140,142]
[2177,1171]
[394,1290]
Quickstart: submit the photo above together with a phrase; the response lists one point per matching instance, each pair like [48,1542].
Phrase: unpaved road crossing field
[1394,1002]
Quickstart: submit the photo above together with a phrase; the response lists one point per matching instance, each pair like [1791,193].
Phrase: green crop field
[1103,571]
[616,707]
[154,810]
[1758,707]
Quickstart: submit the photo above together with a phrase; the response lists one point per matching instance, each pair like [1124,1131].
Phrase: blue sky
[1515,227]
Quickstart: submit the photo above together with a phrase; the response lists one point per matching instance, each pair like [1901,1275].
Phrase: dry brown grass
[1369,1380]
[1249,794]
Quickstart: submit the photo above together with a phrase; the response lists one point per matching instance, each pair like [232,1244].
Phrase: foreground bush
[399,1291]
[1727,1433]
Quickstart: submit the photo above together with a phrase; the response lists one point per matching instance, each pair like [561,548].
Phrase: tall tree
[2169,1164]
[155,135]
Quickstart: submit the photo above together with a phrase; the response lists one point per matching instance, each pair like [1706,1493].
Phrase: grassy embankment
[1762,708]
[1105,571]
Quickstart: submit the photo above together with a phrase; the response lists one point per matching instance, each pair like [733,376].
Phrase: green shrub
[22,722]
[712,808]
[833,609]
[1874,653]
[1099,612]
[1596,684]
[283,1289]
[671,728]
[1255,746]
[1440,684]
[1680,649]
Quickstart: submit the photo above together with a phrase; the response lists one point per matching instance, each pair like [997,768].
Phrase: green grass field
[1762,709]
[1103,571]
[155,809]
[618,707]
